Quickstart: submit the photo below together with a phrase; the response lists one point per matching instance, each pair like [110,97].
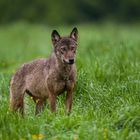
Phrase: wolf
[44,79]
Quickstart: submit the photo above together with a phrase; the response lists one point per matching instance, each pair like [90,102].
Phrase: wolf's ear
[55,37]
[74,34]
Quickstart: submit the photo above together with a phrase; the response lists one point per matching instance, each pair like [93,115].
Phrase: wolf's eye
[73,49]
[63,49]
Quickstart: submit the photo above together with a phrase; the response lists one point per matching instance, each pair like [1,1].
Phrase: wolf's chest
[58,86]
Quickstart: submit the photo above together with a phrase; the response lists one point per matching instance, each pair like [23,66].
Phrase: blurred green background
[69,11]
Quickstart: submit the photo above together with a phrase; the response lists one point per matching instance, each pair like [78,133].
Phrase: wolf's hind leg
[17,99]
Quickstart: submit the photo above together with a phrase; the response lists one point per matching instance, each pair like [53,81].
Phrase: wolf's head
[65,47]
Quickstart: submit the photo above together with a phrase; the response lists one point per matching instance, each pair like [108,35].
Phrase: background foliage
[69,11]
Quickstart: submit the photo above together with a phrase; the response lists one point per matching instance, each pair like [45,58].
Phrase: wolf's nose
[71,61]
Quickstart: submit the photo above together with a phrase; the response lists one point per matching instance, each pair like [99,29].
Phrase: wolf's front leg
[69,97]
[52,101]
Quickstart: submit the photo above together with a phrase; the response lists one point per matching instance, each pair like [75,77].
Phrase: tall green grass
[107,95]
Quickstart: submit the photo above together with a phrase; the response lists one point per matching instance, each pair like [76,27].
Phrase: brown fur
[46,78]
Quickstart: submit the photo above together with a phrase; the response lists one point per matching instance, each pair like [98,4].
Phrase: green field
[106,102]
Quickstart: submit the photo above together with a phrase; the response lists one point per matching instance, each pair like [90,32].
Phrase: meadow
[106,103]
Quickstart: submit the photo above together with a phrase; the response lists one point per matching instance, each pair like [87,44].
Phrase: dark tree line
[69,11]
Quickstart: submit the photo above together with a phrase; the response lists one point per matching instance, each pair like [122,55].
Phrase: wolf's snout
[71,61]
